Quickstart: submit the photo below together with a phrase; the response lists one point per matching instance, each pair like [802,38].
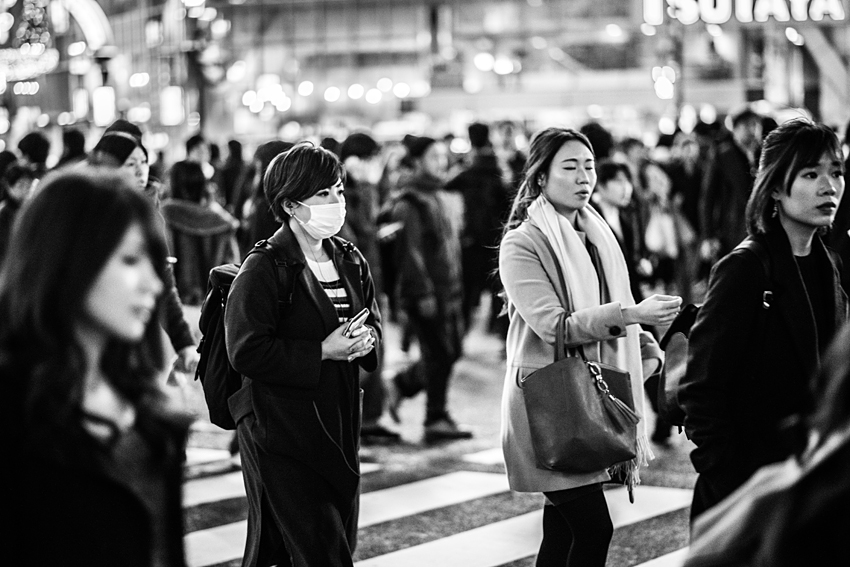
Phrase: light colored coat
[535,305]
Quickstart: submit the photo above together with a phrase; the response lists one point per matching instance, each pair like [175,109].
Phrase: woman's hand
[336,346]
[654,310]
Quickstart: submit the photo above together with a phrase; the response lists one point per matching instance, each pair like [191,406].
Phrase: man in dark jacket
[428,287]
[486,202]
[727,186]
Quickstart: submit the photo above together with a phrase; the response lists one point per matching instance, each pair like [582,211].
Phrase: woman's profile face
[617,191]
[435,160]
[571,178]
[815,193]
[137,164]
[121,301]
[657,180]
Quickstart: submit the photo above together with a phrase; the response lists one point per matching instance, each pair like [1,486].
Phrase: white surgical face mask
[325,220]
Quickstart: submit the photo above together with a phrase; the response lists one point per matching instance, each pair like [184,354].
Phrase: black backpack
[218,378]
[388,229]
[674,343]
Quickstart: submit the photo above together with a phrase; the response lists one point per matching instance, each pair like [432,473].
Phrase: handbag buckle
[596,372]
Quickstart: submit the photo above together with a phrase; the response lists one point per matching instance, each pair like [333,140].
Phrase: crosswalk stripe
[493,456]
[227,542]
[519,537]
[230,485]
[675,559]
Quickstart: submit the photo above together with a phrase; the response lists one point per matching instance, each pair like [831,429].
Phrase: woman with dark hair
[201,232]
[765,322]
[17,183]
[600,315]
[121,147]
[258,221]
[298,411]
[98,456]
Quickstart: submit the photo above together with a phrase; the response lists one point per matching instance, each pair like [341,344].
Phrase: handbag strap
[561,331]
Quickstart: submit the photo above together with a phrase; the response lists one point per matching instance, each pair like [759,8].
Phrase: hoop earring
[775,209]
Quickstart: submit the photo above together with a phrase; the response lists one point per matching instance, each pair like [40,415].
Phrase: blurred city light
[138,80]
[77,48]
[43,120]
[356,91]
[484,61]
[401,90]
[666,125]
[714,30]
[332,94]
[249,98]
[538,42]
[647,29]
[614,31]
[794,36]
[503,66]
[237,71]
[373,96]
[708,114]
[305,88]
[171,110]
[385,84]
[103,104]
[687,118]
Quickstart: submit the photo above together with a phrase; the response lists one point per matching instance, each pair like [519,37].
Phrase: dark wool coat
[749,367]
[299,408]
[76,510]
[723,202]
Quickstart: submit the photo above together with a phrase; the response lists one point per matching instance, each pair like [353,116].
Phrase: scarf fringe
[629,471]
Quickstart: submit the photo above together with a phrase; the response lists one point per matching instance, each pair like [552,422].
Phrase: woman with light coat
[601,316]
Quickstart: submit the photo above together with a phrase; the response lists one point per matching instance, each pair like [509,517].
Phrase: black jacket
[749,367]
[427,252]
[306,408]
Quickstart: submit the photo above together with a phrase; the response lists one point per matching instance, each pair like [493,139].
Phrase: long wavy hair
[788,148]
[544,145]
[64,237]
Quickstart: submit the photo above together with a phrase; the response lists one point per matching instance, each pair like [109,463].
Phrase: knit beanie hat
[419,145]
[119,145]
[128,127]
[358,144]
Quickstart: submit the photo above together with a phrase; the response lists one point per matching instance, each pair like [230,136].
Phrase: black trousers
[440,346]
[577,530]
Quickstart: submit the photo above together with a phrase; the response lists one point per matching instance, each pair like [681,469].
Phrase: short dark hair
[600,138]
[187,181]
[745,115]
[788,148]
[300,173]
[43,292]
[479,135]
[15,172]
[35,146]
[607,169]
[194,141]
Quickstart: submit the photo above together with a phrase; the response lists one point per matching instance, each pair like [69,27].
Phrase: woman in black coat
[758,338]
[96,457]
[298,412]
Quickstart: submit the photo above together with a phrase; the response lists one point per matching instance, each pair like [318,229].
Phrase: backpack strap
[759,250]
[283,268]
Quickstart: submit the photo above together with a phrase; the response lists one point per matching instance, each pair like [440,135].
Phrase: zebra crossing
[413,523]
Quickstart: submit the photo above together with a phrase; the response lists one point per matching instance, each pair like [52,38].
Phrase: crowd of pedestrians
[98,257]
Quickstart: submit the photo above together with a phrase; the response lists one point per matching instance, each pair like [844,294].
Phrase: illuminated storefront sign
[745,11]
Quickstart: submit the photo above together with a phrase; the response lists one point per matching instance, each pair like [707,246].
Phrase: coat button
[615,330]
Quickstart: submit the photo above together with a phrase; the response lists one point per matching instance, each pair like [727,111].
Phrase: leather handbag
[578,424]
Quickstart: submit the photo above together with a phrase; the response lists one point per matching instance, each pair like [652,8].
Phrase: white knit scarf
[583,288]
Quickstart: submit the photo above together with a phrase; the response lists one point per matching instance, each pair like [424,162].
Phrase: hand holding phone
[356,322]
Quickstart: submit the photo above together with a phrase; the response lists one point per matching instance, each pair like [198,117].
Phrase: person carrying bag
[594,310]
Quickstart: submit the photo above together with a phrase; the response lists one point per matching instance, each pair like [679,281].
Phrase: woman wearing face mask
[98,457]
[298,412]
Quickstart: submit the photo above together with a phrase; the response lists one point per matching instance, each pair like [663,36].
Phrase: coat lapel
[791,299]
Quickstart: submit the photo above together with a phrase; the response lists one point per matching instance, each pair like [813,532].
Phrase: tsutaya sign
[721,11]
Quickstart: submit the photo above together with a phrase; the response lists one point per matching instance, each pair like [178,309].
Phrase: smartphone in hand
[356,322]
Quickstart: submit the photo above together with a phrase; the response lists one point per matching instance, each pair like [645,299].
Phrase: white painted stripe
[675,559]
[230,485]
[489,457]
[519,537]
[429,494]
[226,543]
[213,489]
[197,455]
